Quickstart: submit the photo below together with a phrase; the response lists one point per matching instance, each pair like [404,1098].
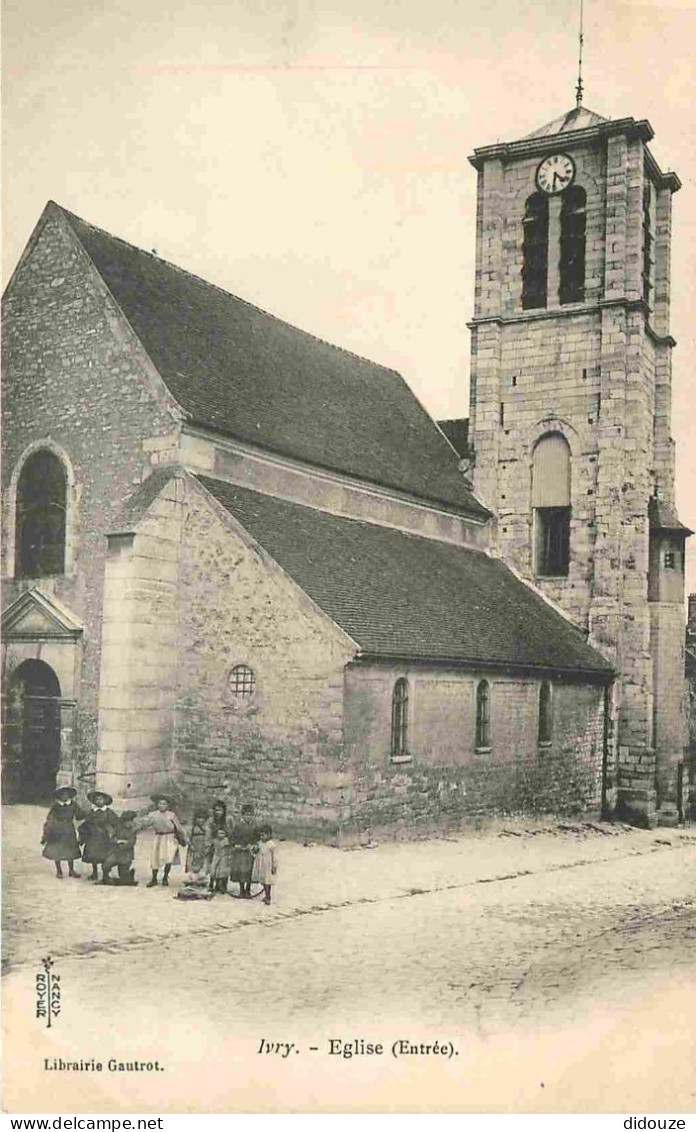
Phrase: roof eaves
[533,145]
[599,674]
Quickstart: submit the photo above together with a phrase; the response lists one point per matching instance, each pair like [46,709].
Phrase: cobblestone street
[559,960]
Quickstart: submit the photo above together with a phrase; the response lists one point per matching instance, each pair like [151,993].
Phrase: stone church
[236,557]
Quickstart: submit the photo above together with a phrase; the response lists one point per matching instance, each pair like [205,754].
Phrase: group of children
[221,850]
[217,849]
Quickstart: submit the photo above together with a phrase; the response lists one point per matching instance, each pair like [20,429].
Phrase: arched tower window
[535,251]
[545,720]
[483,716]
[572,264]
[399,732]
[40,516]
[551,505]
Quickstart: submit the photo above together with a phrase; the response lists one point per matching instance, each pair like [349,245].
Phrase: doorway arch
[32,733]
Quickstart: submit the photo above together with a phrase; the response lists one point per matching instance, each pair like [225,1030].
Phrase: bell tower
[570,414]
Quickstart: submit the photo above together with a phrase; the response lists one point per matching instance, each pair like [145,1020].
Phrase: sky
[312,158]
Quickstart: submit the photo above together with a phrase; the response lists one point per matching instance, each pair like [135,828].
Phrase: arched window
[551,505]
[545,720]
[572,264]
[483,716]
[535,251]
[40,516]
[399,731]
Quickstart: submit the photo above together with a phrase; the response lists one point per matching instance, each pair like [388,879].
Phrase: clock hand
[553,182]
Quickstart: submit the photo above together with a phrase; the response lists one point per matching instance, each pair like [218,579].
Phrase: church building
[238,558]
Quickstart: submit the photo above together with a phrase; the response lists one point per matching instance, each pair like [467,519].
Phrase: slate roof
[137,504]
[579,118]
[401,595]
[238,369]
[663,517]
[457,432]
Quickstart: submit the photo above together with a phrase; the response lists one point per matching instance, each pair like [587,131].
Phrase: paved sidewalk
[77,917]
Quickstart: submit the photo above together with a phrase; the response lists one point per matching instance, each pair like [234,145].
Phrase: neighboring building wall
[74,376]
[448,780]
[283,748]
[690,673]
[667,647]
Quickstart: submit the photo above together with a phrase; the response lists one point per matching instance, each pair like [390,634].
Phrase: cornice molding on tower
[668,180]
[565,312]
[534,147]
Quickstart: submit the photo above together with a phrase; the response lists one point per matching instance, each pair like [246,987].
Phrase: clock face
[555,173]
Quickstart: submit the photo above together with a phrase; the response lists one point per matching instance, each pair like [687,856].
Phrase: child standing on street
[196,851]
[97,832]
[217,820]
[59,838]
[265,866]
[169,834]
[243,835]
[220,863]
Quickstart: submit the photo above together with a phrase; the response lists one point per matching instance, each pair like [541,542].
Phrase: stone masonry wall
[283,747]
[74,376]
[140,643]
[667,641]
[447,780]
[597,372]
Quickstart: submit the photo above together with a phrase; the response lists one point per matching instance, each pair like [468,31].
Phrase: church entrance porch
[31,734]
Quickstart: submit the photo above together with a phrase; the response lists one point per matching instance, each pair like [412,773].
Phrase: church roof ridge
[217,287]
[237,369]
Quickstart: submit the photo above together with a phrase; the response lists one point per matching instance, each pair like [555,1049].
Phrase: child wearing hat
[59,838]
[265,866]
[122,851]
[169,834]
[97,832]
[243,835]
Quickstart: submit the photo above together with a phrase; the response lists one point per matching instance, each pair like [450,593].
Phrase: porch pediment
[37,616]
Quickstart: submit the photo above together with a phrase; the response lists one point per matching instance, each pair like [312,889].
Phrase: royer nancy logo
[47,992]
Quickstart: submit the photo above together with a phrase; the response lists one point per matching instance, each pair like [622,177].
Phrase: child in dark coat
[59,838]
[122,851]
[243,836]
[97,832]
